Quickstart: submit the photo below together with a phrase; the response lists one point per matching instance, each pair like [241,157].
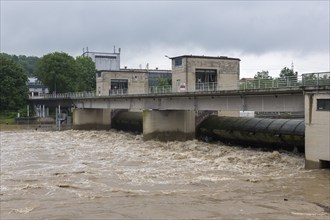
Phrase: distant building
[36,88]
[203,73]
[111,79]
[104,61]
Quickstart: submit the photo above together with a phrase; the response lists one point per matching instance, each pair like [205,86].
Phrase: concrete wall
[92,119]
[168,125]
[227,71]
[317,130]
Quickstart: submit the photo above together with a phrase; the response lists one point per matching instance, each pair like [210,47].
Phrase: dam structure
[201,84]
[171,116]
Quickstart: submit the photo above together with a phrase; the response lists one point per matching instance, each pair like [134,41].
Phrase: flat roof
[207,57]
[101,53]
[138,71]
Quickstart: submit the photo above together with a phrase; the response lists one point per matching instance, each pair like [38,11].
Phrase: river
[116,175]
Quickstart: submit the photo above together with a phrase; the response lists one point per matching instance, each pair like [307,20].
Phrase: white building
[105,61]
[36,88]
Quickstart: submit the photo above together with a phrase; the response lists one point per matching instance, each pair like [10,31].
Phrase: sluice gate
[262,132]
[128,121]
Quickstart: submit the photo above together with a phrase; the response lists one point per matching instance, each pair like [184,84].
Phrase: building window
[118,86]
[178,61]
[206,79]
[323,104]
[98,74]
[105,57]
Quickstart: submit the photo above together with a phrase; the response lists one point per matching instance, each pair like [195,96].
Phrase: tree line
[28,63]
[62,73]
[284,74]
[58,71]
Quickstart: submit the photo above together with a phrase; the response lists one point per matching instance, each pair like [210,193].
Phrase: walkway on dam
[268,95]
[288,84]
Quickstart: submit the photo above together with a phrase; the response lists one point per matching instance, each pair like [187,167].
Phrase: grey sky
[264,35]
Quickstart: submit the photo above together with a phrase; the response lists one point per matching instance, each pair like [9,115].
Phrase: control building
[189,73]
[204,73]
[129,81]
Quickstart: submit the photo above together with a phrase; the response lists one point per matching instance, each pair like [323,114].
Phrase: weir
[287,134]
[261,132]
[166,115]
[128,121]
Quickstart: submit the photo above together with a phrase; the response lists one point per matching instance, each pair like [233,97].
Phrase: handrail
[309,79]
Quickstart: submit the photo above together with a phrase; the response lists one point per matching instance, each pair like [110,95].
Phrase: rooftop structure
[104,61]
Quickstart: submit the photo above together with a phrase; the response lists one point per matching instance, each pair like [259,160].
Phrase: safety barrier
[308,79]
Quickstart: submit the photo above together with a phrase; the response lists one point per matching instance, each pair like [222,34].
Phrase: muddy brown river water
[115,175]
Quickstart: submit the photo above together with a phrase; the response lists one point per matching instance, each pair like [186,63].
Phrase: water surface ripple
[116,175]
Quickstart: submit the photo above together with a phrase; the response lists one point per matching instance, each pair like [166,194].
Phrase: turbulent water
[115,175]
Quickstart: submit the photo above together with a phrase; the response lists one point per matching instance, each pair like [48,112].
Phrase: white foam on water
[79,166]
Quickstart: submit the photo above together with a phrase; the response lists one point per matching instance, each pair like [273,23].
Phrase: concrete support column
[43,111]
[168,125]
[92,119]
[317,130]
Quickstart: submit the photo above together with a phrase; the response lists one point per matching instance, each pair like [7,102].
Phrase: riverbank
[11,127]
[39,127]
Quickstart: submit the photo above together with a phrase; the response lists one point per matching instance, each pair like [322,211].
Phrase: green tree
[262,75]
[13,85]
[288,77]
[58,71]
[28,63]
[262,80]
[161,82]
[86,74]
[286,72]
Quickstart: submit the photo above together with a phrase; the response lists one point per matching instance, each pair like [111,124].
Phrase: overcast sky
[265,35]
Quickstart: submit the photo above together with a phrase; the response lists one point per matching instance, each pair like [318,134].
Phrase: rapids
[116,175]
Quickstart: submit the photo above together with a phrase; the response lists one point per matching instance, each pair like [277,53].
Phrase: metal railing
[206,86]
[309,79]
[285,82]
[118,91]
[159,89]
[65,95]
[316,79]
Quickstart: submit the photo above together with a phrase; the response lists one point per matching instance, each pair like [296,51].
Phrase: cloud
[144,29]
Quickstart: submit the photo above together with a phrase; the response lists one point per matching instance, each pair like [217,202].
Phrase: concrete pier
[168,125]
[92,119]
